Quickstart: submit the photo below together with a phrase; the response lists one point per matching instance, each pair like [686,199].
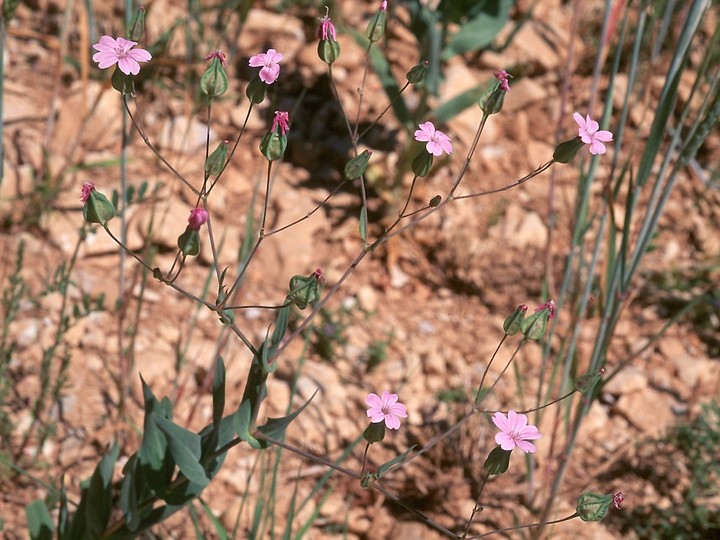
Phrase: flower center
[120,52]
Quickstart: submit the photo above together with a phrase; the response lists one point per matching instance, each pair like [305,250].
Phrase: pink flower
[589,134]
[618,498]
[318,273]
[198,217]
[281,119]
[504,78]
[550,307]
[87,189]
[383,5]
[219,55]
[270,64]
[515,431]
[326,30]
[437,141]
[119,51]
[386,408]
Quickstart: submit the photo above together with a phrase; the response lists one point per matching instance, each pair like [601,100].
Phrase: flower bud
[355,168]
[493,103]
[97,208]
[417,74]
[565,151]
[534,326]
[328,47]
[214,82]
[593,506]
[435,201]
[328,51]
[512,324]
[198,218]
[305,290]
[422,164]
[585,383]
[376,26]
[498,461]
[216,161]
[273,145]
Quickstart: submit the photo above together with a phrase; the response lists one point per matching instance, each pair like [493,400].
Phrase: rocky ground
[436,295]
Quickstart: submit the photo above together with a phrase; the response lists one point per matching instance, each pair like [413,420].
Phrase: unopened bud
[566,151]
[512,324]
[356,167]
[417,74]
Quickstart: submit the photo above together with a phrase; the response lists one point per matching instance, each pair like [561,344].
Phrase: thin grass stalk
[614,304]
[665,106]
[3,36]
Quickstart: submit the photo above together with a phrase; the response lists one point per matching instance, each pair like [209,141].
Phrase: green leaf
[265,350]
[136,28]
[459,103]
[387,466]
[281,325]
[363,224]
[185,449]
[99,494]
[219,528]
[93,512]
[62,511]
[196,523]
[216,161]
[218,391]
[242,421]
[480,31]
[40,524]
[382,69]
[189,242]
[154,446]
[128,495]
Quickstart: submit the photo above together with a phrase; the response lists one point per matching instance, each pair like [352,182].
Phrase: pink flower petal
[104,59]
[373,400]
[501,421]
[505,441]
[129,66]
[139,55]
[604,136]
[525,446]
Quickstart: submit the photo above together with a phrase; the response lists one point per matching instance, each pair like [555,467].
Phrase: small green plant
[376,353]
[329,332]
[685,458]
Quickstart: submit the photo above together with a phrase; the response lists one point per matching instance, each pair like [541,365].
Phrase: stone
[627,381]
[647,411]
[524,93]
[184,135]
[367,298]
[531,231]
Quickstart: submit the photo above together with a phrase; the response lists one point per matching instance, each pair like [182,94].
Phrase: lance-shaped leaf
[40,524]
[185,449]
[385,467]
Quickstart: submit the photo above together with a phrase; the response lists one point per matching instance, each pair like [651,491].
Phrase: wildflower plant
[171,465]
